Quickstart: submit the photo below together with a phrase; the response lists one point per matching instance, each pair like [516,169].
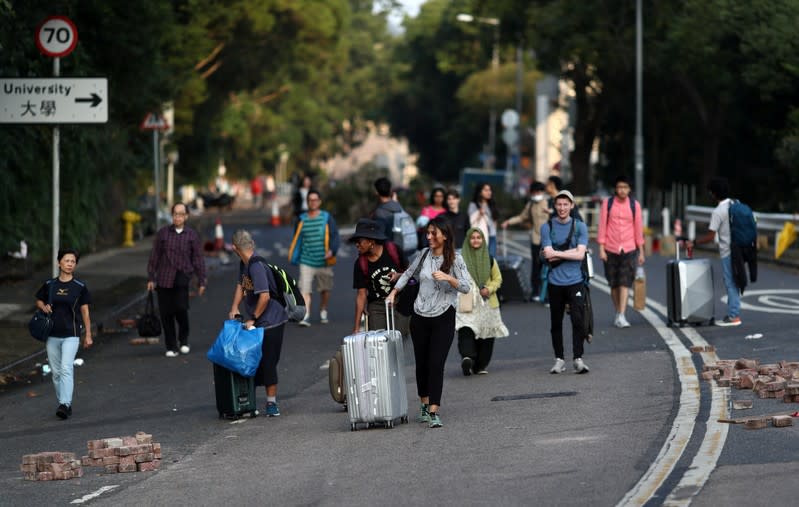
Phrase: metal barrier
[772,222]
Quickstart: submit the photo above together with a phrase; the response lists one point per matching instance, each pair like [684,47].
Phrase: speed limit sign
[57,36]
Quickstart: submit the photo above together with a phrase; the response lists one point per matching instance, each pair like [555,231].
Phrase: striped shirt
[312,249]
[173,252]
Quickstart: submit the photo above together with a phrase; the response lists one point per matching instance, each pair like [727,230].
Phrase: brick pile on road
[50,466]
[136,453]
[778,380]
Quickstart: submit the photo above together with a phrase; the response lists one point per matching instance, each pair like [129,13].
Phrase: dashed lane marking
[92,496]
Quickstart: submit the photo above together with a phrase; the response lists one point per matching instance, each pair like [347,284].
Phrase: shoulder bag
[407,295]
[41,323]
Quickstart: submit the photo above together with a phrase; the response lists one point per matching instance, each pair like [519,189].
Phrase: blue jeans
[492,246]
[733,296]
[61,354]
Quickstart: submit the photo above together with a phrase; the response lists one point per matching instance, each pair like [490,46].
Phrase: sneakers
[184,349]
[482,372]
[729,321]
[323,317]
[424,414]
[271,410]
[435,420]
[580,366]
[559,366]
[466,366]
[621,321]
[63,411]
[305,322]
[171,353]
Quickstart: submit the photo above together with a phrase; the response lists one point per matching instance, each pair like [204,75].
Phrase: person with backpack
[478,321]
[255,286]
[398,226]
[535,213]
[564,241]
[621,244]
[377,267]
[720,227]
[314,248]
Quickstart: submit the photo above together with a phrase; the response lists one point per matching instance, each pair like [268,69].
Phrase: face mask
[537,198]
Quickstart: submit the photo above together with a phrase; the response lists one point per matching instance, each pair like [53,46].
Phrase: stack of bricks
[50,466]
[778,381]
[124,454]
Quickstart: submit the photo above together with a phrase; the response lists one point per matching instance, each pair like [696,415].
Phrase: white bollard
[666,222]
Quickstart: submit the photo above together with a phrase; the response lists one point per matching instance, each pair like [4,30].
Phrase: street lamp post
[639,138]
[492,120]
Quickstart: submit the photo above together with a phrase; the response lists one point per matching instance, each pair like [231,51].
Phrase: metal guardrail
[772,222]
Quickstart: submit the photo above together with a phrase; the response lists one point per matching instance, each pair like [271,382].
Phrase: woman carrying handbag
[70,313]
[441,277]
[478,320]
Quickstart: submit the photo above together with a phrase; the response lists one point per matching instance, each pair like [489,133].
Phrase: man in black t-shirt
[377,267]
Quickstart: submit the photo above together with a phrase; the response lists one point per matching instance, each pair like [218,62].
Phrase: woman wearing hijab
[479,322]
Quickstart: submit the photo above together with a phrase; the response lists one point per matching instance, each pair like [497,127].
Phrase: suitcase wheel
[254,413]
[353,427]
[404,419]
[389,424]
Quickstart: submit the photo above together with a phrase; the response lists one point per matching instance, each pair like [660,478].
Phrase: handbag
[238,349]
[407,296]
[149,325]
[466,301]
[41,323]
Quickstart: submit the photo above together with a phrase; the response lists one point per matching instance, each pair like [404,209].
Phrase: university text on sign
[53,100]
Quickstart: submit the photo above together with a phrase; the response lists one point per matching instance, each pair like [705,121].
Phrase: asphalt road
[636,427]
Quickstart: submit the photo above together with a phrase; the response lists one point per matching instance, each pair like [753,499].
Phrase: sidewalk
[116,278]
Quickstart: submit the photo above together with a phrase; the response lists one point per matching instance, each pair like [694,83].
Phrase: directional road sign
[53,100]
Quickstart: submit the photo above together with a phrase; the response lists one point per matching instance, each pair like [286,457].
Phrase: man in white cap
[563,242]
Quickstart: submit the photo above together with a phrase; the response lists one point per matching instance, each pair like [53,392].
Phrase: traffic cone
[275,214]
[219,235]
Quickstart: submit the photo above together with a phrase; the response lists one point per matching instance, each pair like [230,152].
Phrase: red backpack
[391,248]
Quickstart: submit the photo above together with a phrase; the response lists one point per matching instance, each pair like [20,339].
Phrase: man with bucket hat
[377,267]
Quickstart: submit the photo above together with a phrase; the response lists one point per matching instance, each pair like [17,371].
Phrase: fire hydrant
[130,218]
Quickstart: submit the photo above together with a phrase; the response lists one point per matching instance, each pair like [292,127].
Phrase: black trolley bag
[515,271]
[235,394]
[689,290]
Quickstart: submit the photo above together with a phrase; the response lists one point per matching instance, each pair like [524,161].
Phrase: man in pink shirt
[621,240]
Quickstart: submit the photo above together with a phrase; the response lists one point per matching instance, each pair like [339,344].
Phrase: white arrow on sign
[54,100]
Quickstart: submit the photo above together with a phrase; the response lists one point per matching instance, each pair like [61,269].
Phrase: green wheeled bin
[235,395]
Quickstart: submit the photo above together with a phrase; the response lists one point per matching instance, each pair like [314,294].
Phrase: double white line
[704,461]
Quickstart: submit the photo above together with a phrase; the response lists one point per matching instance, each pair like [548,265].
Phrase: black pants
[432,338]
[535,273]
[479,350]
[574,295]
[173,306]
[266,375]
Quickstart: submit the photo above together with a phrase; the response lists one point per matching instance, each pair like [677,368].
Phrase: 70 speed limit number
[57,36]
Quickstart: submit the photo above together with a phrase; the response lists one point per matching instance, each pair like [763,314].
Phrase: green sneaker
[435,420]
[424,414]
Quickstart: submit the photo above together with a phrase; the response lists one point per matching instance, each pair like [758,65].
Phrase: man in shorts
[621,240]
[314,248]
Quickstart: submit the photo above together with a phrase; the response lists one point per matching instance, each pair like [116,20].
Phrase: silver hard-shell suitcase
[374,376]
[689,288]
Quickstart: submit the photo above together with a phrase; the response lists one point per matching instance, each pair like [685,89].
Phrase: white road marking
[770,301]
[92,496]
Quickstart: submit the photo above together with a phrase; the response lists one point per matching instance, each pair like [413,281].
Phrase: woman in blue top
[70,313]
[563,247]
[255,280]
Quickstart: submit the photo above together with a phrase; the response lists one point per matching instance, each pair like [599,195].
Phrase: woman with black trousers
[441,277]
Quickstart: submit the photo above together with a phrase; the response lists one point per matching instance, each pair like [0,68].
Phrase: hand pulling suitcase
[515,272]
[689,290]
[374,376]
[235,395]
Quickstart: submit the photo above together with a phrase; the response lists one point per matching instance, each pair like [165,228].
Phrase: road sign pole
[156,177]
[56,182]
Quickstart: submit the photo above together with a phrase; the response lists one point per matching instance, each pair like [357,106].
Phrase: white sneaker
[305,322]
[580,366]
[559,366]
[623,321]
[171,353]
[184,349]
[323,317]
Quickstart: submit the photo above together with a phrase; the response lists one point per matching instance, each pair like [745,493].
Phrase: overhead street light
[492,125]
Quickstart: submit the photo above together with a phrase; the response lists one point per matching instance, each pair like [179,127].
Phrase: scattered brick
[723,382]
[742,404]
[50,466]
[124,454]
[755,424]
[746,364]
[149,465]
[781,421]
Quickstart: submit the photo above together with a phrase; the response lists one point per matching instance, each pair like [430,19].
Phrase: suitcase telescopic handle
[390,317]
[504,242]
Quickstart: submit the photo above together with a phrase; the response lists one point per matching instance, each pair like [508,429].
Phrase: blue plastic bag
[237,349]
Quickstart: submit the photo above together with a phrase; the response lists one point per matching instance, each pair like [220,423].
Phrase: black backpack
[284,290]
[565,246]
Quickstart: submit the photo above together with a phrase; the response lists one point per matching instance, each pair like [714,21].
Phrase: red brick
[28,467]
[29,459]
[78,472]
[755,424]
[44,476]
[123,451]
[95,444]
[144,438]
[127,468]
[127,460]
[113,442]
[147,456]
[741,404]
[149,466]
[723,382]
[698,348]
[775,386]
[29,476]
[111,469]
[128,441]
[781,421]
[762,394]
[768,369]
[111,460]
[778,394]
